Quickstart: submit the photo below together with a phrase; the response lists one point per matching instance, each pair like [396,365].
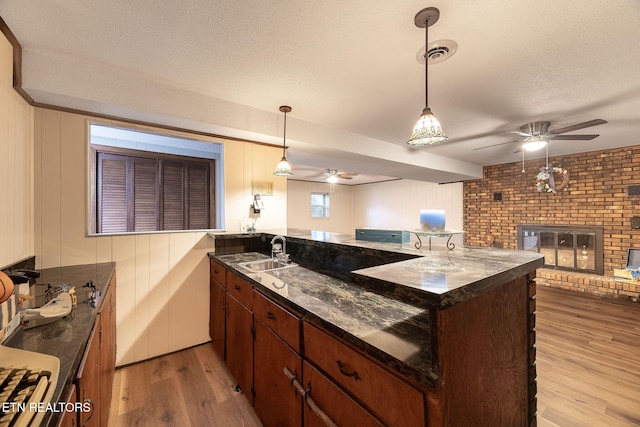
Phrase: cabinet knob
[271,316]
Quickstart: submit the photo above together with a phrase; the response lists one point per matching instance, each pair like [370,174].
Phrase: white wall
[397,204]
[340,207]
[16,167]
[162,278]
[390,204]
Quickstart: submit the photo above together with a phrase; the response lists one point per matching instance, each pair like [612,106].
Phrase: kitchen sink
[265,265]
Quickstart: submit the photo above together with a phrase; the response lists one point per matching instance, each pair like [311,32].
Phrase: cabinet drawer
[218,273]
[241,290]
[280,321]
[394,401]
[341,408]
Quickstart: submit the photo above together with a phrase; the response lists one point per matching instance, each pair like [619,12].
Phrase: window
[319,205]
[146,190]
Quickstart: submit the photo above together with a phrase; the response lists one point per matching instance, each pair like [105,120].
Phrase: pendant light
[427,130]
[284,168]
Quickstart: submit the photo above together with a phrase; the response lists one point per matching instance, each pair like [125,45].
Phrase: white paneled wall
[390,204]
[340,207]
[162,278]
[397,204]
[16,166]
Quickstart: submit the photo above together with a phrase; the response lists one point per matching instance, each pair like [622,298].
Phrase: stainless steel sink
[265,264]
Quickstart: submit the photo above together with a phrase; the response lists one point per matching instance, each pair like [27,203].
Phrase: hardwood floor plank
[588,359]
[190,388]
[588,365]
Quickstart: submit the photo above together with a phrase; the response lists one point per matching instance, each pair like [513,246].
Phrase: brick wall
[596,194]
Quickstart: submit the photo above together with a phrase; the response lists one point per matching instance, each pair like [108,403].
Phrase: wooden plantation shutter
[198,214]
[172,195]
[145,194]
[149,194]
[185,194]
[112,193]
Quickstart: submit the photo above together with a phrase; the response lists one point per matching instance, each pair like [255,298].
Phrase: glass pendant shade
[535,145]
[427,130]
[283,168]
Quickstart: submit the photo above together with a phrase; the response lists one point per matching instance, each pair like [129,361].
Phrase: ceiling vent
[439,50]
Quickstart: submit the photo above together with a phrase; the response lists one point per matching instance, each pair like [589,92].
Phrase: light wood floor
[588,361]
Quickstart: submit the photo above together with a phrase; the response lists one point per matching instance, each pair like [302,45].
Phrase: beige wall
[162,278]
[16,166]
[397,204]
[340,207]
[390,204]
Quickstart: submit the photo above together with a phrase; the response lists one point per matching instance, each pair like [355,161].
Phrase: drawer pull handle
[308,400]
[271,316]
[353,374]
[215,271]
[236,287]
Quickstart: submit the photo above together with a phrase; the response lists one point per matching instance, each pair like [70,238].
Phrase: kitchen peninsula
[382,330]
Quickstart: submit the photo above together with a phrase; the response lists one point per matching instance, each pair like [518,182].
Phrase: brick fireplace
[598,195]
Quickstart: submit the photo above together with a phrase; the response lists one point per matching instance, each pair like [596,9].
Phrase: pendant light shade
[284,168]
[427,130]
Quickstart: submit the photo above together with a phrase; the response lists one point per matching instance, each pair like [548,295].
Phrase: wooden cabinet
[263,338]
[394,401]
[94,381]
[239,343]
[88,382]
[276,403]
[68,419]
[217,307]
[338,406]
[217,318]
[107,351]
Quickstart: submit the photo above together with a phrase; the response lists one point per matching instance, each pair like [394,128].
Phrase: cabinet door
[69,419]
[88,382]
[338,406]
[276,402]
[217,317]
[107,351]
[239,358]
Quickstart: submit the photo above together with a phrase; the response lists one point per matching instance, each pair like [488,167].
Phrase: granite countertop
[385,310]
[67,337]
[396,333]
[437,277]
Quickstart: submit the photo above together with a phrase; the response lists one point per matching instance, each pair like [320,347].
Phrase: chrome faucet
[278,252]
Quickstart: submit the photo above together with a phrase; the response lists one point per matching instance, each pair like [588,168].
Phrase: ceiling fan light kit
[534,144]
[284,168]
[427,130]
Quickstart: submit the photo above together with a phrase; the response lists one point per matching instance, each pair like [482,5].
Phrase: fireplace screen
[565,247]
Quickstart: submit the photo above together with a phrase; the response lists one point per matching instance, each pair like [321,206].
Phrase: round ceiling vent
[439,50]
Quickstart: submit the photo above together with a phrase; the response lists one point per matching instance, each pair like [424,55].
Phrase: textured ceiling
[348,69]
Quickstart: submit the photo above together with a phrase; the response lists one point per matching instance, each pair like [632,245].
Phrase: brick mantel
[595,195]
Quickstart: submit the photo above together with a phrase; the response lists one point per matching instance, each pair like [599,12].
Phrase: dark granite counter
[380,297]
[67,337]
[396,333]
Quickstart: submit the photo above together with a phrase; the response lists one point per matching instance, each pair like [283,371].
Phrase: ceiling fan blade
[575,137]
[571,128]
[494,145]
[344,176]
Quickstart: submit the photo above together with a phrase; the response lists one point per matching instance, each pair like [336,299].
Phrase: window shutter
[173,190]
[112,193]
[145,194]
[198,197]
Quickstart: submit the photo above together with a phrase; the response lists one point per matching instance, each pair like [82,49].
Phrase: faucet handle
[283,258]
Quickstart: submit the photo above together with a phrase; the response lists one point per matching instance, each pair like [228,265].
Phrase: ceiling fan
[538,132]
[333,175]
